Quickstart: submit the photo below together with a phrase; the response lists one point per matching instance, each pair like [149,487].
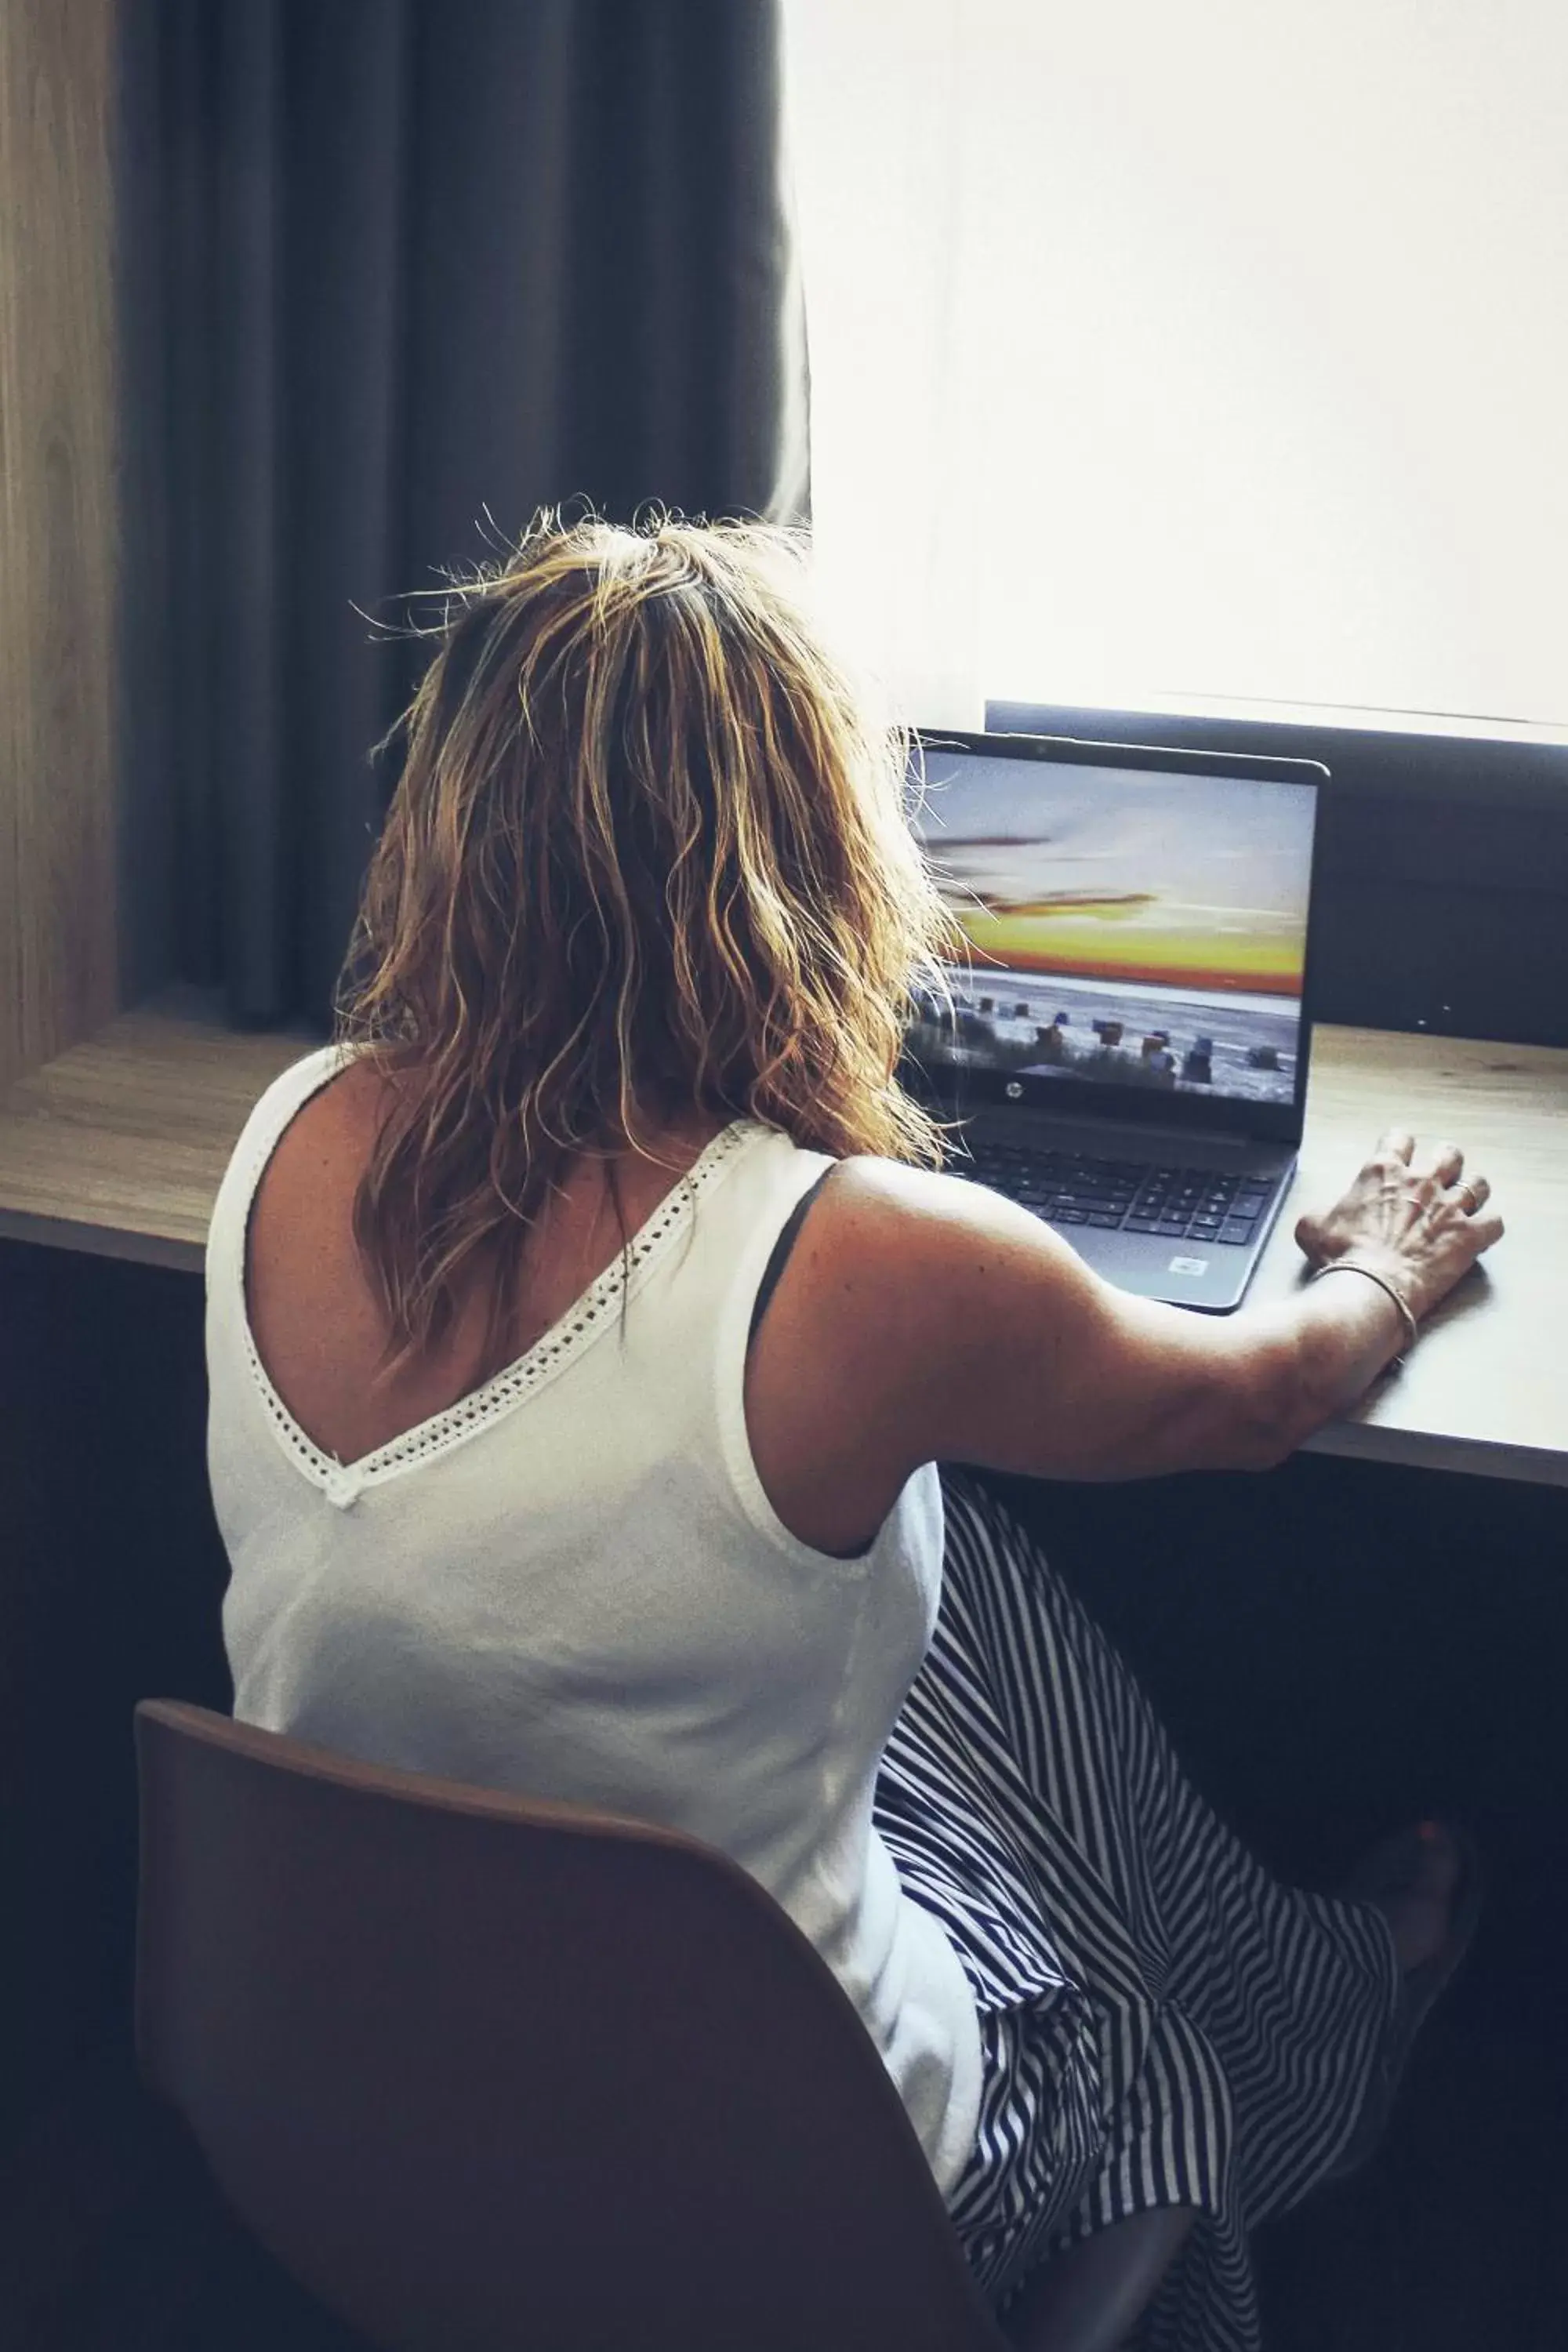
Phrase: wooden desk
[118,1148]
[1486,1388]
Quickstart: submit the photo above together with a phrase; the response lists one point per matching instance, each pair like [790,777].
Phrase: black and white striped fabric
[1162,2024]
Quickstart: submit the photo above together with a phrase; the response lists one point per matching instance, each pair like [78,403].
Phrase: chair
[488,2074]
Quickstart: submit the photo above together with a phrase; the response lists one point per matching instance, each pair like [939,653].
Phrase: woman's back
[319,1326]
[567,1578]
[322,1335]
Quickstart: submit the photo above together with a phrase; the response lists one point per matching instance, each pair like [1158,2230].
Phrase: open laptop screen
[1135,929]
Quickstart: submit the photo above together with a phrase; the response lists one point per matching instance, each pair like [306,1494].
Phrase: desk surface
[118,1148]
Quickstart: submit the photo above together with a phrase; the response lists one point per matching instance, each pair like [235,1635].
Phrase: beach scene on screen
[1123,925]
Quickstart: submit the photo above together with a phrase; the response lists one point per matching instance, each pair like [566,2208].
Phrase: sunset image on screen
[1193,883]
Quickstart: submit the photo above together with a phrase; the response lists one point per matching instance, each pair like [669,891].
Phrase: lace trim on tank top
[342,1483]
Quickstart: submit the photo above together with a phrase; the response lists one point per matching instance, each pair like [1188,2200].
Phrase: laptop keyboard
[1070,1188]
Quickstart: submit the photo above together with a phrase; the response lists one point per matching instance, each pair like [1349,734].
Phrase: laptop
[1127,1042]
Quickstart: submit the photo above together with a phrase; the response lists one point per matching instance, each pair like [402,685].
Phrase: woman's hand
[1421,1225]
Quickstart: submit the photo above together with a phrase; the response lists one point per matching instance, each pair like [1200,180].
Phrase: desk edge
[102,1241]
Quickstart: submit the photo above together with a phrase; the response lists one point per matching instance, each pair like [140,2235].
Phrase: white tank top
[571,1584]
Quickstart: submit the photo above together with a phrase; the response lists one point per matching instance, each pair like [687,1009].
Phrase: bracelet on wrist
[1357,1266]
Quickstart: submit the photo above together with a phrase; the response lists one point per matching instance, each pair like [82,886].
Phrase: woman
[557,1447]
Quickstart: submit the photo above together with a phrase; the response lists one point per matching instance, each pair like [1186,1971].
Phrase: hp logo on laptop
[1013,1090]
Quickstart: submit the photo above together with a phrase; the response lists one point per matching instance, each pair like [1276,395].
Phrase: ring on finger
[1472,1198]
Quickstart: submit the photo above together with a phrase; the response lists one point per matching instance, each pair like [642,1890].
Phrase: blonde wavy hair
[648,856]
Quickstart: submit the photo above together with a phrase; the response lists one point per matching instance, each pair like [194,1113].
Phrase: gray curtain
[394,272]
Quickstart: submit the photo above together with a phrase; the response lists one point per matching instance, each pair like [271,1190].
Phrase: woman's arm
[948,1324]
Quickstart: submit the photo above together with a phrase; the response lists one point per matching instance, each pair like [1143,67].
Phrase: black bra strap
[780,1250]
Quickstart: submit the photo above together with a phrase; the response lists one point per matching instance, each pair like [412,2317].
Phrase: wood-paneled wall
[58,528]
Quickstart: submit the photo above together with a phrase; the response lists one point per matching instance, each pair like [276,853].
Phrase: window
[1212,348]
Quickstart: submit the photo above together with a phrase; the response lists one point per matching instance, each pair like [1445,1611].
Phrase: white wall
[1217,349]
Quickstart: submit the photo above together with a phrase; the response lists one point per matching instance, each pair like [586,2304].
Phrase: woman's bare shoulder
[845,1378]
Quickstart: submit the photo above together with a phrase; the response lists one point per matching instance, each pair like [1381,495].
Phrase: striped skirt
[1162,2023]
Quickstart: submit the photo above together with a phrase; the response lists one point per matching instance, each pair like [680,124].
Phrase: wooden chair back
[493,2075]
